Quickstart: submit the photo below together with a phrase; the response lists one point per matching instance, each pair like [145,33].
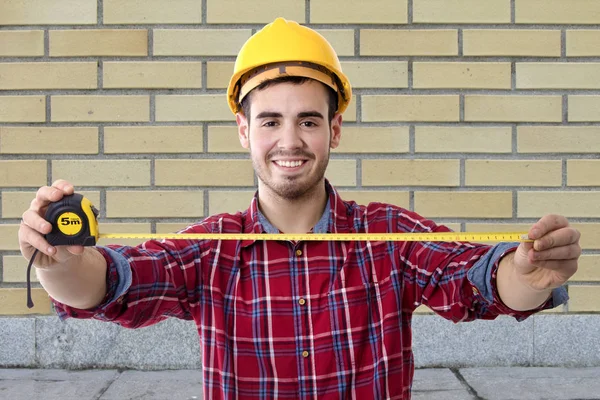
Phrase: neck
[298,215]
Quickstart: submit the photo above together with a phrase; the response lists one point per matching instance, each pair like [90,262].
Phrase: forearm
[79,283]
[513,292]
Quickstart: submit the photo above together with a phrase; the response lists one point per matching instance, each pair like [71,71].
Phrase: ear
[336,131]
[243,130]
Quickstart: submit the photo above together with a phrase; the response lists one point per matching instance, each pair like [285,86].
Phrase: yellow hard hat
[286,48]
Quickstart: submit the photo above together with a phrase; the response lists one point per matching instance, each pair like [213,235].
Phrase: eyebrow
[273,114]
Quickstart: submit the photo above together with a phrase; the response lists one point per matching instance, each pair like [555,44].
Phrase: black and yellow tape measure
[74,222]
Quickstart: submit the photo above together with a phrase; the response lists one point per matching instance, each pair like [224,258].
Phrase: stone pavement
[497,383]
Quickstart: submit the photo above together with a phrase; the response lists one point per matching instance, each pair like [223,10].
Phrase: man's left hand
[551,259]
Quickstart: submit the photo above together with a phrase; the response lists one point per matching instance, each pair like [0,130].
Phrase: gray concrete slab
[78,344]
[439,383]
[156,385]
[534,383]
[54,384]
[441,343]
[17,342]
[567,340]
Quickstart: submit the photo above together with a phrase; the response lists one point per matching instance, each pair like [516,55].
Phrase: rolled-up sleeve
[483,274]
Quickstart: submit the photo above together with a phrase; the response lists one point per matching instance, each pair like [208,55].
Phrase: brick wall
[482,114]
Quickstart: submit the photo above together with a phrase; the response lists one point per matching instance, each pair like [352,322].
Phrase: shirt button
[302,302]
[305,354]
[298,252]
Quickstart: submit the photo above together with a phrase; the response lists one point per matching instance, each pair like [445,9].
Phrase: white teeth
[289,164]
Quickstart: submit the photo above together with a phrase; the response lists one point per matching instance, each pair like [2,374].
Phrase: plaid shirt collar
[334,218]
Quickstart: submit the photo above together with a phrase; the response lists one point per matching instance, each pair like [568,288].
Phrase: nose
[291,137]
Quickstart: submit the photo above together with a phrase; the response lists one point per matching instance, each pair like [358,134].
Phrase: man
[300,319]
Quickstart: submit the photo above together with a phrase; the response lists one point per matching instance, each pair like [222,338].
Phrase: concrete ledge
[543,340]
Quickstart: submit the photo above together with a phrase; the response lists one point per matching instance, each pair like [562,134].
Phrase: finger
[570,252]
[44,196]
[565,268]
[547,223]
[36,222]
[560,237]
[29,238]
[65,186]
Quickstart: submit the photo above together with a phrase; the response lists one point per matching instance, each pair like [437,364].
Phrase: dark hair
[297,80]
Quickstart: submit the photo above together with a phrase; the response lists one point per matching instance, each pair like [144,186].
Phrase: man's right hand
[34,227]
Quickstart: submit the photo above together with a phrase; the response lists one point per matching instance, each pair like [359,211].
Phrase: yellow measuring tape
[373,237]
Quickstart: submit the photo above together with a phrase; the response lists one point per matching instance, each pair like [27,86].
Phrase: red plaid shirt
[300,320]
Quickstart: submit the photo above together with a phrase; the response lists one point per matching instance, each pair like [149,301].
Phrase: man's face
[289,137]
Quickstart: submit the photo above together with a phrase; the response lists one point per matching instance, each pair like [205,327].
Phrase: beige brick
[14,204]
[15,270]
[590,234]
[341,172]
[224,139]
[558,75]
[152,12]
[377,74]
[99,42]
[22,109]
[22,173]
[513,173]
[558,139]
[557,12]
[463,139]
[421,42]
[488,204]
[172,227]
[584,108]
[204,173]
[103,172]
[570,204]
[199,42]
[154,204]
[361,139]
[206,107]
[153,139]
[43,140]
[511,42]
[410,172]
[21,43]
[14,301]
[583,172]
[350,113]
[451,75]
[342,40]
[461,11]
[584,298]
[364,197]
[354,11]
[583,43]
[422,310]
[42,75]
[9,239]
[410,108]
[258,11]
[513,108]
[100,108]
[43,12]
[152,75]
[107,227]
[218,74]
[229,201]
[497,227]
[588,268]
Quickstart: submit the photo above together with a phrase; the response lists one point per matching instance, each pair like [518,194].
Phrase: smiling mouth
[289,164]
